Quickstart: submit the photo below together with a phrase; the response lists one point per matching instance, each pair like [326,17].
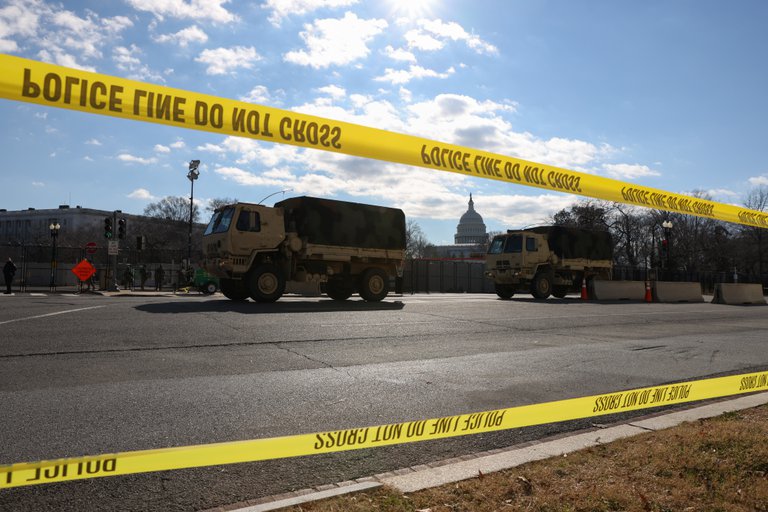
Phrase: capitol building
[471,238]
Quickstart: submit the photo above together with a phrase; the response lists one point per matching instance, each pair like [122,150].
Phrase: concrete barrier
[733,293]
[618,290]
[666,291]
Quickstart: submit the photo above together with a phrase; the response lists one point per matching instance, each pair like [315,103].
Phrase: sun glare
[411,8]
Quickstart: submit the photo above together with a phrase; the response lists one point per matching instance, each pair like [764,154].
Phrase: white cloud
[399,54]
[93,142]
[403,76]
[179,144]
[758,180]
[334,91]
[57,56]
[17,18]
[284,8]
[336,42]
[184,37]
[629,171]
[131,159]
[56,34]
[259,94]
[127,60]
[246,151]
[222,61]
[142,194]
[721,192]
[433,34]
[38,184]
[210,10]
[159,148]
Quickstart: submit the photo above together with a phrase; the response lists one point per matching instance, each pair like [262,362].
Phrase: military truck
[307,242]
[548,260]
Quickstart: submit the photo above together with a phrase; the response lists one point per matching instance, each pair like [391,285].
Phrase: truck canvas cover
[577,243]
[341,223]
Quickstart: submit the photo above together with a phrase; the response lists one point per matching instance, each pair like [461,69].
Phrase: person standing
[9,270]
[159,273]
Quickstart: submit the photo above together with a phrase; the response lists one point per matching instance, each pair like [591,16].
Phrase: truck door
[258,227]
[531,253]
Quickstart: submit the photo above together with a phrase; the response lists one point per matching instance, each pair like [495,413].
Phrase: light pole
[667,225]
[193,174]
[54,226]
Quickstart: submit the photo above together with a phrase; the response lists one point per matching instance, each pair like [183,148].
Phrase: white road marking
[50,314]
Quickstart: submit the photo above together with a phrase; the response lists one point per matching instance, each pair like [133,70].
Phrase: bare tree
[586,214]
[218,202]
[172,208]
[757,199]
[416,243]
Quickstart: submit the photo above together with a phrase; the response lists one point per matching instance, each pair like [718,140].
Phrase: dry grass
[720,464]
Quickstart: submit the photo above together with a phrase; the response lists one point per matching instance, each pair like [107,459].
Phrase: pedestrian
[159,274]
[128,278]
[143,276]
[9,270]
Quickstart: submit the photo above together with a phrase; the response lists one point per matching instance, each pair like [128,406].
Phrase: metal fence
[458,276]
[36,269]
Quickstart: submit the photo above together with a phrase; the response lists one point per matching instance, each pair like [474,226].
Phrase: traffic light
[121,228]
[108,227]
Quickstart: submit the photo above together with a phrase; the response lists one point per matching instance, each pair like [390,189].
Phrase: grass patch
[719,464]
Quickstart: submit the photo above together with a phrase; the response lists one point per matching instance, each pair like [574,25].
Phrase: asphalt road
[84,375]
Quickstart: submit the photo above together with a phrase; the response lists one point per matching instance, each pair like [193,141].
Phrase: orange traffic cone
[584,289]
[648,296]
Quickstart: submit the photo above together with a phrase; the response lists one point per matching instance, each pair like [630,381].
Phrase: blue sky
[671,95]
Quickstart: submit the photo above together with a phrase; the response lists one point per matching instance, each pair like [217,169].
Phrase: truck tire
[504,291]
[541,287]
[339,288]
[560,292]
[234,289]
[374,285]
[266,283]
[209,288]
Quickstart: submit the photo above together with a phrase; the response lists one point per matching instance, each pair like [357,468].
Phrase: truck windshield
[220,221]
[501,244]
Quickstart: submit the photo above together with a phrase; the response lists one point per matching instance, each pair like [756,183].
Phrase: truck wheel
[338,288]
[266,283]
[209,288]
[374,285]
[541,288]
[234,289]
[504,291]
[560,292]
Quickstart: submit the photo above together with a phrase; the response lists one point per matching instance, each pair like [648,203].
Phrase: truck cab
[236,234]
[548,260]
[514,259]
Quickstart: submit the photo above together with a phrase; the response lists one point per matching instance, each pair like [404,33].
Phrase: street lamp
[667,225]
[54,226]
[193,174]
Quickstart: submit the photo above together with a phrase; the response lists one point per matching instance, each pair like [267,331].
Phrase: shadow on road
[308,306]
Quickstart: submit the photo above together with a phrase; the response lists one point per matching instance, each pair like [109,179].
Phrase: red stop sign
[90,247]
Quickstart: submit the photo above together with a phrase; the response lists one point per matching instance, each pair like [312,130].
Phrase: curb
[439,473]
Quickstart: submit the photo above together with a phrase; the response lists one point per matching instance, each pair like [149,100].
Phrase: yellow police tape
[124,463]
[57,86]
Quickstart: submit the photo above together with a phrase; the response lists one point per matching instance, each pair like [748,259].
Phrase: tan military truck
[548,260]
[307,242]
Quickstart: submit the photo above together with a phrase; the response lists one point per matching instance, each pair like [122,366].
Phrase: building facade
[471,238]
